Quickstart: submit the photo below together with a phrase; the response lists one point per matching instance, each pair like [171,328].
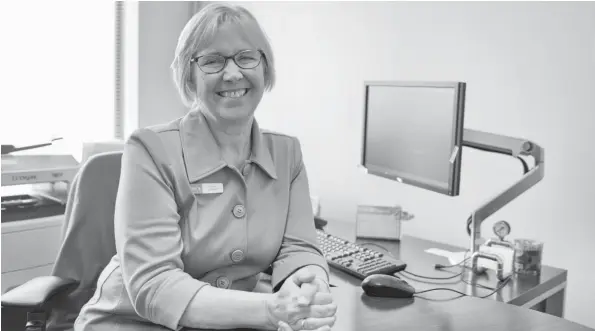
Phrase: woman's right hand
[299,304]
[285,327]
[284,310]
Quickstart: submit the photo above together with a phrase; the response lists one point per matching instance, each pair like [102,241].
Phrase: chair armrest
[38,292]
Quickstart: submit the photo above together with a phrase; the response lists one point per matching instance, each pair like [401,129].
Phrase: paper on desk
[453,257]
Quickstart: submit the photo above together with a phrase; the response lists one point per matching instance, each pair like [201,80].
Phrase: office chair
[54,301]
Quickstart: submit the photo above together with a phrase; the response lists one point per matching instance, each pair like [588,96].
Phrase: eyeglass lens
[215,62]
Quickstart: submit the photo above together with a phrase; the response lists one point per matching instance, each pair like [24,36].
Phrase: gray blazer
[185,219]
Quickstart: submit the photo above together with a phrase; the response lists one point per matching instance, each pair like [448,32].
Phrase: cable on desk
[477,285]
[377,245]
[437,266]
[433,278]
[441,266]
[461,294]
[506,280]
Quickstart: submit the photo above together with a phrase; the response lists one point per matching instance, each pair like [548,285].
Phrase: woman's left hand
[306,285]
[320,284]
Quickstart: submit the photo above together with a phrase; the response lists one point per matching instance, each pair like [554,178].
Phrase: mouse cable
[506,280]
[437,266]
[477,285]
[442,266]
[433,278]
[377,245]
[446,266]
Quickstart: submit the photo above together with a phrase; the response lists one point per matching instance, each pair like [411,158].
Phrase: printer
[34,193]
[34,185]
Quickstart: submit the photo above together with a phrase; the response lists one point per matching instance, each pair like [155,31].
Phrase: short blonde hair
[200,31]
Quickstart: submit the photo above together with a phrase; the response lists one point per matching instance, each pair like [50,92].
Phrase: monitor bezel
[458,111]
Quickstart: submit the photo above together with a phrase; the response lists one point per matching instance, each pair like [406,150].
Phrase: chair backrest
[88,232]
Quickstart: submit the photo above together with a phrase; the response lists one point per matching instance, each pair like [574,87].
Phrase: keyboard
[354,259]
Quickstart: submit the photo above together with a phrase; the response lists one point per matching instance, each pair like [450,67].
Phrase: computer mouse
[387,286]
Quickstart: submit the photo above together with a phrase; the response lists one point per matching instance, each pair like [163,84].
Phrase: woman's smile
[234,94]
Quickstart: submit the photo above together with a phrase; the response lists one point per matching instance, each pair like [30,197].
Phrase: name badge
[207,188]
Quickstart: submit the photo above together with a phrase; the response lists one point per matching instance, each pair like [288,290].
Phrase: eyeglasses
[214,63]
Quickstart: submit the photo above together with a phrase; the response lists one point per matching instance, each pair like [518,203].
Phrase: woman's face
[233,93]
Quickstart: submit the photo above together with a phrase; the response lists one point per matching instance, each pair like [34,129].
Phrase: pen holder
[528,256]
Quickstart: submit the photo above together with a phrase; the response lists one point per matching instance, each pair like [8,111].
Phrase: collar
[202,155]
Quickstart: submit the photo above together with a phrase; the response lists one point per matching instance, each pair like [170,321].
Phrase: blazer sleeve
[300,246]
[147,234]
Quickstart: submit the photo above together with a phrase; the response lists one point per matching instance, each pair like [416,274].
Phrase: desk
[357,312]
[507,310]
[545,293]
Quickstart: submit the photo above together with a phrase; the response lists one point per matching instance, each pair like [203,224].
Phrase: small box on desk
[380,222]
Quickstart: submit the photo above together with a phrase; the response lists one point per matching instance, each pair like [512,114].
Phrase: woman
[208,202]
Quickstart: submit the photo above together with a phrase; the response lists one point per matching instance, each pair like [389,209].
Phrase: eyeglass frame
[226,58]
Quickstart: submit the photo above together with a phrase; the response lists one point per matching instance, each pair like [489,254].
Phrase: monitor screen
[413,133]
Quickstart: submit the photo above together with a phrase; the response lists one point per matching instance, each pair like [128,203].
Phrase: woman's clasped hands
[304,302]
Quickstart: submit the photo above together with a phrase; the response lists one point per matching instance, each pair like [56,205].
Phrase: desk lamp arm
[504,145]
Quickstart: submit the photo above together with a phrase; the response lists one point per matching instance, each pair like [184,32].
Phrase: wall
[159,25]
[530,69]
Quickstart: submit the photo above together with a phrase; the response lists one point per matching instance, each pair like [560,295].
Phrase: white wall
[530,69]
[159,25]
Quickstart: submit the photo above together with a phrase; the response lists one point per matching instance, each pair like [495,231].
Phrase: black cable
[478,285]
[379,246]
[440,266]
[434,278]
[469,221]
[525,166]
[437,266]
[438,289]
[504,282]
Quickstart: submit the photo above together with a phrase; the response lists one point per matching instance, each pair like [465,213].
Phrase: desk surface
[443,310]
[357,312]
[520,291]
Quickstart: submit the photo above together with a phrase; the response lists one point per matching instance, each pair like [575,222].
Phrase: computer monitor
[413,133]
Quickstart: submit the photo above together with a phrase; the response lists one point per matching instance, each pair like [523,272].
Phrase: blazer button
[222,282]
[237,255]
[246,169]
[239,211]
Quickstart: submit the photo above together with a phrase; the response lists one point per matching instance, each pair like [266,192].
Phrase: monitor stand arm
[504,145]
